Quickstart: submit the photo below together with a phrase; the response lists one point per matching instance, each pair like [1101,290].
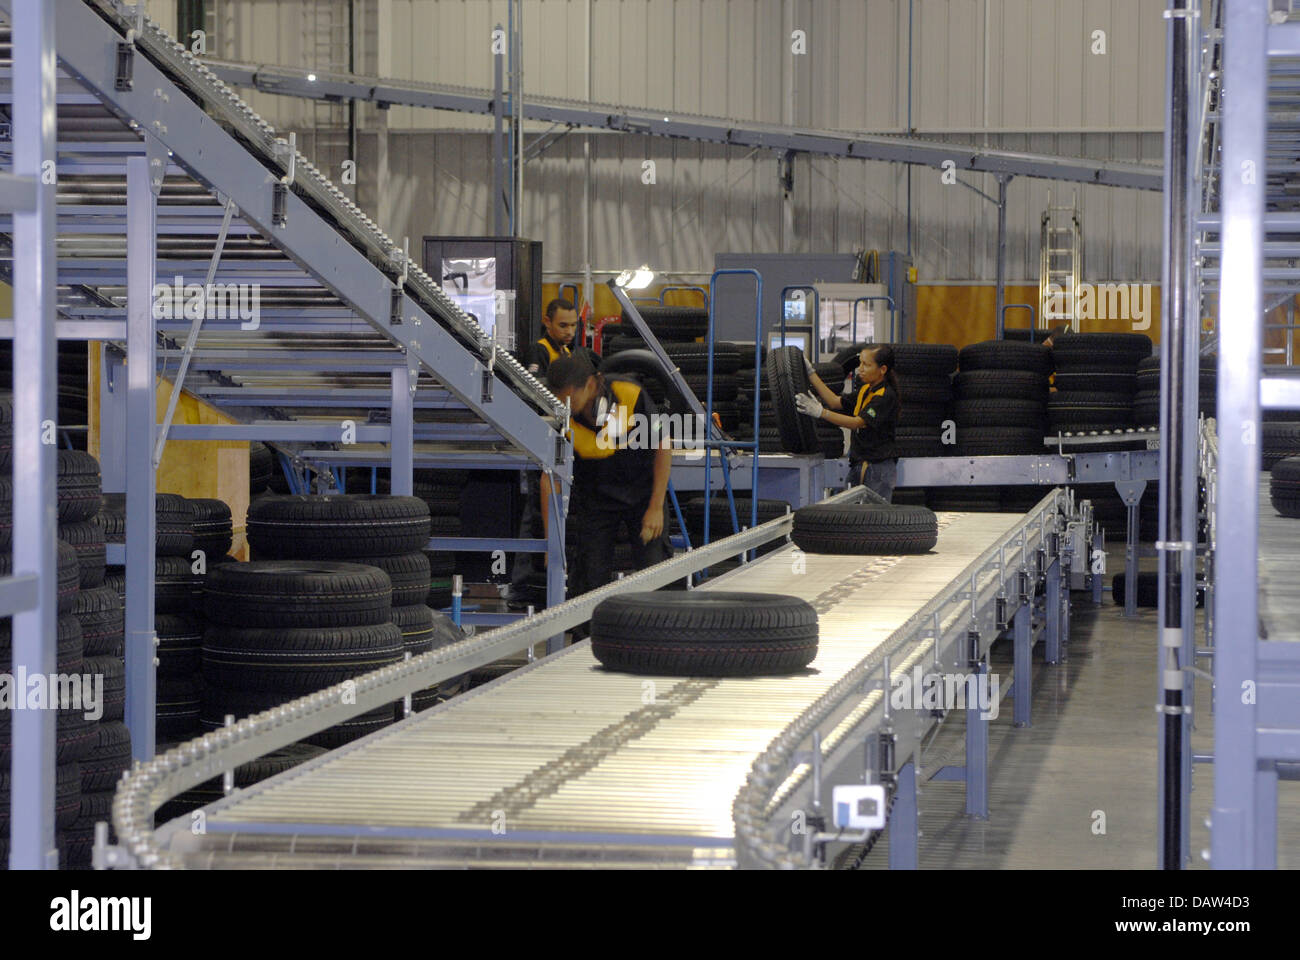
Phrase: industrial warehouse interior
[649,434]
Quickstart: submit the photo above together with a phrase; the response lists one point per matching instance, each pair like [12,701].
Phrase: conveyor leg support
[555,558]
[1024,664]
[1052,610]
[903,822]
[1097,578]
[977,755]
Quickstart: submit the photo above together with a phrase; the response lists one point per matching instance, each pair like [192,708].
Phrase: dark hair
[558,303]
[883,354]
[569,372]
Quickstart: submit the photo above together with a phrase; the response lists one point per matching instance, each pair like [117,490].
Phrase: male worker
[620,472]
[559,326]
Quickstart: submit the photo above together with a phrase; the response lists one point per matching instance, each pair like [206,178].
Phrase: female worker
[874,418]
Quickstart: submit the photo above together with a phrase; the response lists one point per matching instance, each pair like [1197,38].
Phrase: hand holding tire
[808,405]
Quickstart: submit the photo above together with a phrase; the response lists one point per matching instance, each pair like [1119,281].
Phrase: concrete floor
[1092,747]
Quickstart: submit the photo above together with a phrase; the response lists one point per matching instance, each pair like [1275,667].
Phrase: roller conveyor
[562,762]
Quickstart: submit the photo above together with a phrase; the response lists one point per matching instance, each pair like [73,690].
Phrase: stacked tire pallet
[91,753]
[179,578]
[358,531]
[1096,381]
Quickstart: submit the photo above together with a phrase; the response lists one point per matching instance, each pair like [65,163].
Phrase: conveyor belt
[563,756]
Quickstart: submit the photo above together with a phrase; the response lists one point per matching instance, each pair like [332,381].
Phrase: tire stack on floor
[282,629]
[385,532]
[1001,405]
[261,467]
[73,377]
[441,491]
[1146,401]
[178,596]
[1096,381]
[1284,487]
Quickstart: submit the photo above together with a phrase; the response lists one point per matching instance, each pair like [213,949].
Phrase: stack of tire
[1096,381]
[925,386]
[1146,401]
[73,377]
[179,579]
[282,629]
[388,533]
[262,468]
[1001,405]
[693,511]
[1284,487]
[787,378]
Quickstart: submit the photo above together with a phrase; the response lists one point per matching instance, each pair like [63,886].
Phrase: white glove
[808,367]
[808,405]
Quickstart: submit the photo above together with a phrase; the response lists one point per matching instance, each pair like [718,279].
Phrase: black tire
[110,758]
[1069,384]
[924,390]
[864,528]
[408,573]
[1100,351]
[1067,408]
[173,526]
[213,527]
[1285,506]
[102,619]
[1000,384]
[77,840]
[991,441]
[260,464]
[297,661]
[180,645]
[337,527]
[177,589]
[112,517]
[694,358]
[439,597]
[1005,413]
[724,387]
[929,415]
[114,673]
[177,708]
[674,323]
[286,593]
[67,796]
[68,574]
[415,622]
[1148,589]
[1006,355]
[921,445]
[1280,441]
[87,539]
[69,650]
[704,634]
[786,374]
[78,486]
[911,359]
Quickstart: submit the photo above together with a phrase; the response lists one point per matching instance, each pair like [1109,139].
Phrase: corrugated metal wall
[1015,74]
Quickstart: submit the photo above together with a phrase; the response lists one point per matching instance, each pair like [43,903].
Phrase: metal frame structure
[1257,710]
[162,172]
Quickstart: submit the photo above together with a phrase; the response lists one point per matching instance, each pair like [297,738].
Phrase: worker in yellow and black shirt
[874,418]
[620,472]
[559,327]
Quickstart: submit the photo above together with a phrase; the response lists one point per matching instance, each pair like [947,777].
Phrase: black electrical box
[470,269]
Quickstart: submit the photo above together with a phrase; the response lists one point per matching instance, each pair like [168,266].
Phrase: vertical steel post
[1023,643]
[1097,578]
[35,463]
[500,148]
[1052,611]
[1001,293]
[977,754]
[401,424]
[141,414]
[1236,599]
[112,420]
[903,821]
[555,549]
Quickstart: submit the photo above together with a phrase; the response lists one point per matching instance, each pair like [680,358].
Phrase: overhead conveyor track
[562,762]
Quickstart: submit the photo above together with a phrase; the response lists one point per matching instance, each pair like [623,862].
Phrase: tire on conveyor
[787,378]
[704,633]
[864,528]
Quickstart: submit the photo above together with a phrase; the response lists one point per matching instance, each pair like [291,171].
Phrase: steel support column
[1052,611]
[1001,290]
[1023,642]
[500,146]
[1236,595]
[402,432]
[141,414]
[903,821]
[35,438]
[977,753]
[555,572]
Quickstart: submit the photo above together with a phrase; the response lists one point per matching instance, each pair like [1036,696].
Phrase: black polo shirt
[878,408]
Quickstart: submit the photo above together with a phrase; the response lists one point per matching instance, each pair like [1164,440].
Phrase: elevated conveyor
[562,763]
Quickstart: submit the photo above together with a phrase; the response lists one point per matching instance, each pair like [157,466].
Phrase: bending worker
[559,327]
[875,404]
[620,472]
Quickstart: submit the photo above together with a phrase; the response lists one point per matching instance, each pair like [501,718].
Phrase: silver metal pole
[1236,594]
[402,425]
[1001,295]
[141,414]
[35,464]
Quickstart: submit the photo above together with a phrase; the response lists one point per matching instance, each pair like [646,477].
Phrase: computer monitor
[793,338]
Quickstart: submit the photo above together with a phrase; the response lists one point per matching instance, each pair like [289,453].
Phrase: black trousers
[594,534]
[530,527]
